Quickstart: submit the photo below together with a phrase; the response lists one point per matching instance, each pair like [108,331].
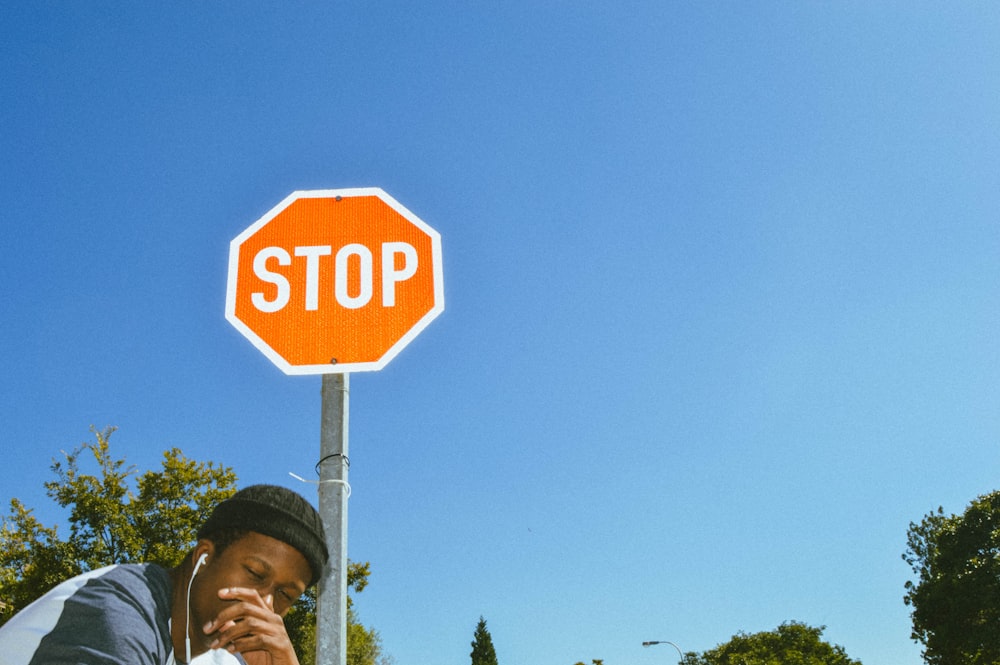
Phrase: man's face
[275,570]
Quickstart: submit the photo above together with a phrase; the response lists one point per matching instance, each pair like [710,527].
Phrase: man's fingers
[248,623]
[244,599]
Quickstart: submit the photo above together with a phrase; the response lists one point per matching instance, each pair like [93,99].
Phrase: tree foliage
[116,515]
[109,523]
[955,600]
[364,645]
[792,643]
[483,652]
[32,559]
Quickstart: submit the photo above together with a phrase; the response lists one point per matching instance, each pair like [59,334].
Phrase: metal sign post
[331,605]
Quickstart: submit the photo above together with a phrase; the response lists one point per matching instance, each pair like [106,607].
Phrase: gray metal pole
[331,605]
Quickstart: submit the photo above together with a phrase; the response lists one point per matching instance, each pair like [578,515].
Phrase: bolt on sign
[334,281]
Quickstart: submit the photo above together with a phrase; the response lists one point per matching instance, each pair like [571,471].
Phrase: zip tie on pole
[346,484]
[344,458]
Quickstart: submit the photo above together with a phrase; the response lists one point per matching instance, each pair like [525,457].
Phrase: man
[257,552]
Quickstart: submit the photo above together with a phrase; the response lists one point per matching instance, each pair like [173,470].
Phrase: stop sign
[334,280]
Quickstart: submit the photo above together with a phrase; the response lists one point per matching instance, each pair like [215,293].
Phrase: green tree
[157,521]
[364,645]
[32,559]
[955,600]
[483,652]
[792,643]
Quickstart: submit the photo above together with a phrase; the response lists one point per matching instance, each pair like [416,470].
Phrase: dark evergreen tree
[483,652]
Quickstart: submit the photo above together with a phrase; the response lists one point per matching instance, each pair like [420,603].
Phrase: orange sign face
[334,281]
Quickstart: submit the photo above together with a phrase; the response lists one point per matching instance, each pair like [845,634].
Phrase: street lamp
[652,642]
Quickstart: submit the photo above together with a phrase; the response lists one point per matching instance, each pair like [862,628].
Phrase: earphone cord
[187,624]
[187,613]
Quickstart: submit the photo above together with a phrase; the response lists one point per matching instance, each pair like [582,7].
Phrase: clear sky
[721,318]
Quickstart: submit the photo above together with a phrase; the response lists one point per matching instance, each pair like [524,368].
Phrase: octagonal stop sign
[334,281]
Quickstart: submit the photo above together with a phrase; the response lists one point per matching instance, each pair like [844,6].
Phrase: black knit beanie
[277,512]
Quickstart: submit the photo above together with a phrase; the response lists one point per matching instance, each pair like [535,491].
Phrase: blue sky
[721,305]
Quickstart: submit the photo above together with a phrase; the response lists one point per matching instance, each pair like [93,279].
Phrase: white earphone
[187,619]
[201,560]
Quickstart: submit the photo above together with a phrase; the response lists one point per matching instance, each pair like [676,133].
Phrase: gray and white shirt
[111,616]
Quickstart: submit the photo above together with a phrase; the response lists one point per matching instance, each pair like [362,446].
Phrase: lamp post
[652,642]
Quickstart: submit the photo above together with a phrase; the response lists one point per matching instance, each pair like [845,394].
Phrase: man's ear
[203,547]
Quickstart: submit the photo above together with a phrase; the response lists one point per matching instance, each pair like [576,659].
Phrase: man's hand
[249,625]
